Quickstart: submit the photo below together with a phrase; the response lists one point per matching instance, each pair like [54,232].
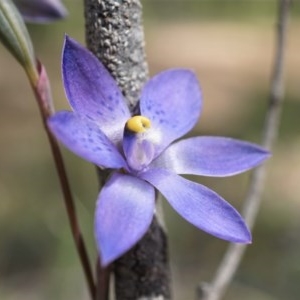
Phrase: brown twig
[41,88]
[227,269]
[103,280]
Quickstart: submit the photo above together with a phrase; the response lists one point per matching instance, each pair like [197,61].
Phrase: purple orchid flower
[139,152]
[41,11]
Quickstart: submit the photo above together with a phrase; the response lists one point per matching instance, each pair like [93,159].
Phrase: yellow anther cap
[138,124]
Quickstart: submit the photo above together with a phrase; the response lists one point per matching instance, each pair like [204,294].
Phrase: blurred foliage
[232,10]
[37,255]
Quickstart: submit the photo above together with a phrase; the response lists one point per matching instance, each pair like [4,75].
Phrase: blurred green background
[230,45]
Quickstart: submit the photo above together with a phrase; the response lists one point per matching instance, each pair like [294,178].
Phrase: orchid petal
[85,139]
[200,206]
[211,156]
[41,11]
[172,101]
[138,150]
[124,212]
[92,91]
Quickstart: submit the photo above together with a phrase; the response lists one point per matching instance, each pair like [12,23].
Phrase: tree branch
[234,254]
[114,33]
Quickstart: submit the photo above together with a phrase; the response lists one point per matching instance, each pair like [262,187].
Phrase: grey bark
[114,33]
[143,272]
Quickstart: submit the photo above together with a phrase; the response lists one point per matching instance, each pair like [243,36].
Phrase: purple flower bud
[41,11]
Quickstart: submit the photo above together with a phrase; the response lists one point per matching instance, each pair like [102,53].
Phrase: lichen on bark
[114,33]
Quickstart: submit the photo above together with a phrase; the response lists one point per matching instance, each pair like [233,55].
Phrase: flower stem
[234,254]
[41,88]
[103,279]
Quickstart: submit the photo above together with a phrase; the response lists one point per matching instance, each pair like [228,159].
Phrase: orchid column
[114,33]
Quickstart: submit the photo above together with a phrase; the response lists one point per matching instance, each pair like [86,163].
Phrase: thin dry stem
[44,101]
[234,254]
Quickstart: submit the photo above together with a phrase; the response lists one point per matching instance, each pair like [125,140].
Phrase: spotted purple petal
[124,211]
[41,11]
[92,91]
[211,156]
[172,101]
[170,105]
[200,206]
[85,139]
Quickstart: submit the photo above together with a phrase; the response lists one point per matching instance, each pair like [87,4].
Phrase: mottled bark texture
[143,272]
[114,33]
